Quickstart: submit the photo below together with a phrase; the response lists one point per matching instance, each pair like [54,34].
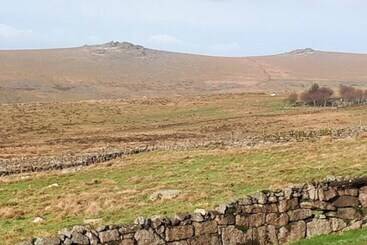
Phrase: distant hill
[122,70]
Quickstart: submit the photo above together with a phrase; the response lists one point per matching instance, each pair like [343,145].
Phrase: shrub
[292,98]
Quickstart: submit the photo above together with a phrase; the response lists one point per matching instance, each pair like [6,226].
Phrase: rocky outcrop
[268,217]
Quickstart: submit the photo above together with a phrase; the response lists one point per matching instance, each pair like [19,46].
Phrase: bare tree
[323,95]
[352,95]
[316,95]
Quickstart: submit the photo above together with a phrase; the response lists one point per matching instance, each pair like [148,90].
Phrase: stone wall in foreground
[268,217]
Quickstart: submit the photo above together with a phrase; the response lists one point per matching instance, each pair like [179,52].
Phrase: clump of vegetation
[323,96]
[316,95]
[352,95]
[292,98]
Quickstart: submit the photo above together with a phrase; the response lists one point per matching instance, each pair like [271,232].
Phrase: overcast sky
[215,27]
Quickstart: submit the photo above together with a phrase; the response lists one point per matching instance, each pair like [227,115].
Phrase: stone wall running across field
[49,163]
[268,217]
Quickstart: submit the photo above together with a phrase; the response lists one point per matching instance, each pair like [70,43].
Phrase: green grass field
[119,191]
[356,237]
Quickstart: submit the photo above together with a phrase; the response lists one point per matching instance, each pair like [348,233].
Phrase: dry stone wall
[268,217]
[47,163]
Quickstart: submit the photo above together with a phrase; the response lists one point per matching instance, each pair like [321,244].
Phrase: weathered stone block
[79,229]
[292,232]
[346,201]
[196,217]
[277,219]
[312,192]
[348,213]
[348,192]
[233,236]
[283,234]
[299,214]
[265,235]
[252,209]
[297,231]
[259,235]
[228,219]
[272,237]
[221,209]
[245,201]
[93,239]
[272,199]
[78,238]
[128,236]
[320,193]
[318,227]
[65,232]
[208,227]
[363,196]
[354,225]
[329,194]
[256,220]
[146,237]
[127,242]
[68,241]
[287,204]
[109,236]
[318,205]
[205,240]
[271,208]
[242,220]
[181,217]
[128,229]
[47,241]
[260,197]
[181,232]
[307,204]
[288,192]
[337,224]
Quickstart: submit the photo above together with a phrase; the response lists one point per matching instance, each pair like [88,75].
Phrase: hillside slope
[121,70]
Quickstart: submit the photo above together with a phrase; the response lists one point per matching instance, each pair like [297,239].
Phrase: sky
[211,27]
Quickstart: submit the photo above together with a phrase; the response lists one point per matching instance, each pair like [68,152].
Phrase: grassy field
[74,128]
[119,191]
[356,237]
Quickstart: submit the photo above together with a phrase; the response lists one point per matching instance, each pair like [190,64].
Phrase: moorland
[212,129]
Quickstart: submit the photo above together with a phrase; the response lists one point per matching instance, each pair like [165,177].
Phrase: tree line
[323,96]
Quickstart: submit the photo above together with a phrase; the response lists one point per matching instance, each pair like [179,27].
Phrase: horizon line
[297,51]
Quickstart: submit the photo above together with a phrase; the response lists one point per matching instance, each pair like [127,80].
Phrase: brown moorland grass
[122,70]
[73,128]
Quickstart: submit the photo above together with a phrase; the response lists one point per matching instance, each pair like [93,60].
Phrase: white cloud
[7,31]
[164,39]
